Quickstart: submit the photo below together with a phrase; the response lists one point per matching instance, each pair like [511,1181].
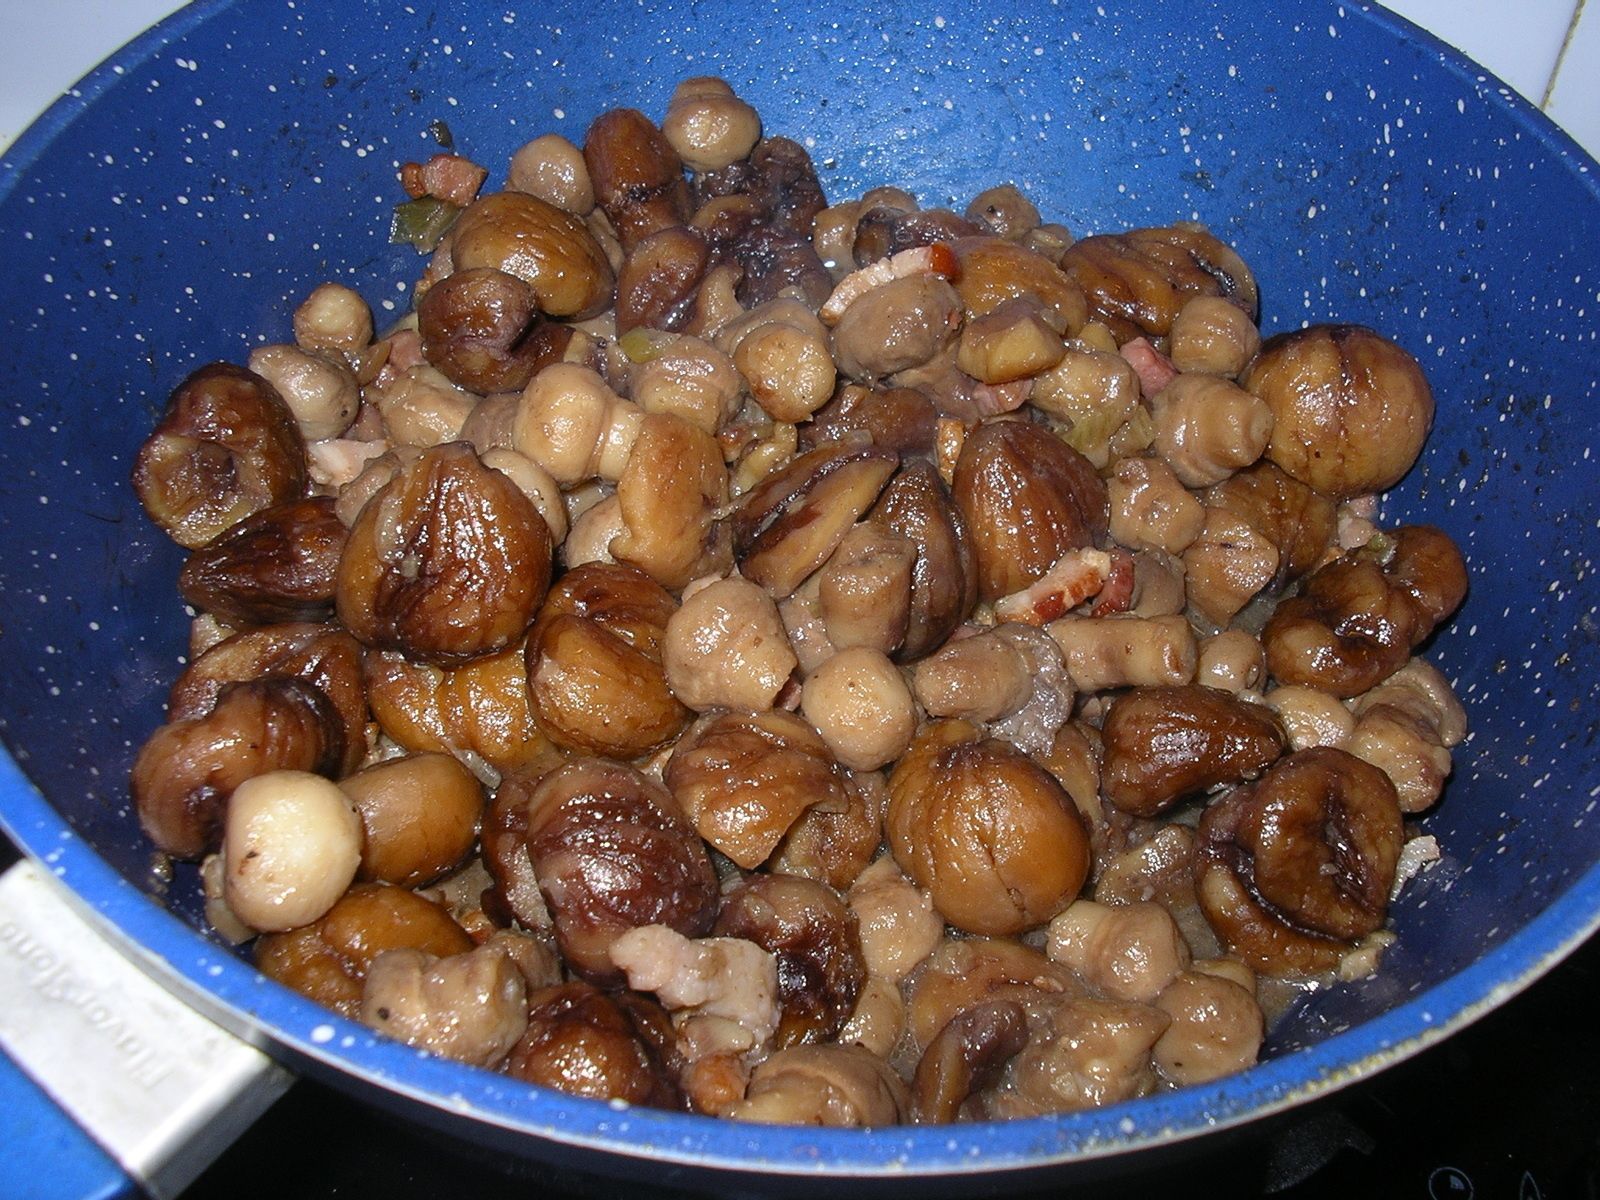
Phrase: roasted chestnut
[1351,409]
[1163,744]
[1294,869]
[595,679]
[989,832]
[612,851]
[448,562]
[1027,499]
[225,448]
[813,936]
[276,565]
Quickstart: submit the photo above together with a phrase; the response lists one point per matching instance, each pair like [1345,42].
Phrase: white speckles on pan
[176,210]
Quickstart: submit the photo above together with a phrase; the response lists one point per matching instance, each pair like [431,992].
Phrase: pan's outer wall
[176,209]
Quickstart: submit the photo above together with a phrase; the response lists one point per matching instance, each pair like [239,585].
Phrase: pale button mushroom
[290,849]
[320,391]
[708,125]
[471,1007]
[861,706]
[1129,952]
[726,648]
[333,318]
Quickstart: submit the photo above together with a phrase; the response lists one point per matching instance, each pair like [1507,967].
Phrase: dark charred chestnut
[776,260]
[448,562]
[1027,498]
[277,565]
[1163,744]
[225,448]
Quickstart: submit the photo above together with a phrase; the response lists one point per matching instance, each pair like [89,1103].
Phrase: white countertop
[1546,49]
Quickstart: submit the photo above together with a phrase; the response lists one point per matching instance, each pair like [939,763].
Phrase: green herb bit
[422,222]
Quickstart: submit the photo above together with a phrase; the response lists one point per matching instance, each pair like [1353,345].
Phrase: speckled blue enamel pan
[174,208]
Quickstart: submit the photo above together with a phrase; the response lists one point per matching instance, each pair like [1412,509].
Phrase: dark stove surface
[1510,1107]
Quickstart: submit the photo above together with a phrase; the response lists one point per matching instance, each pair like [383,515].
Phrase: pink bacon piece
[1154,369]
[447,177]
[1076,576]
[1117,595]
[937,259]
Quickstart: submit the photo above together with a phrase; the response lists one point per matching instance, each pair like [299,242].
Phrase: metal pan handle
[110,1085]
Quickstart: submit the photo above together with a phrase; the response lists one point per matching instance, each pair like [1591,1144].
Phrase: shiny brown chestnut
[1351,408]
[186,771]
[987,831]
[657,284]
[1357,619]
[448,562]
[813,936]
[585,1042]
[1294,869]
[478,328]
[225,448]
[612,851]
[1163,744]
[550,250]
[637,175]
[324,656]
[1138,282]
[328,959]
[595,680]
[789,523]
[744,779]
[278,564]
[944,572]
[1027,498]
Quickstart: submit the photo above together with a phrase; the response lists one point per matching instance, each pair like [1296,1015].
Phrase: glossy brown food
[1163,744]
[328,959]
[744,779]
[595,679]
[448,562]
[586,1042]
[813,936]
[187,770]
[613,851]
[986,830]
[1295,869]
[1027,498]
[1357,619]
[1351,408]
[277,565]
[1138,282]
[225,448]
